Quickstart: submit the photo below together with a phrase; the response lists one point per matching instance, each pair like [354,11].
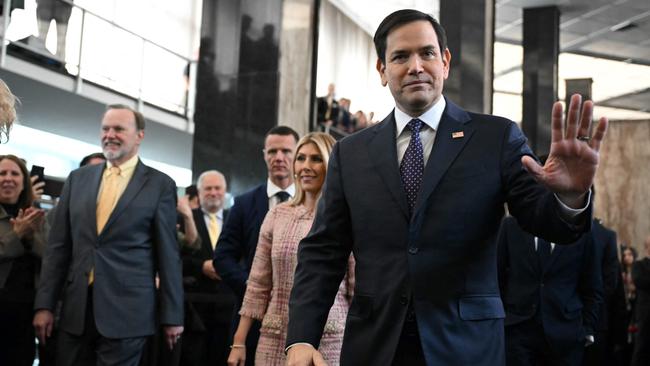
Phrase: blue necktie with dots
[412,167]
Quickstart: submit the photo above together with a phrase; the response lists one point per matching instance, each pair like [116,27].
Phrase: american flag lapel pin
[457,135]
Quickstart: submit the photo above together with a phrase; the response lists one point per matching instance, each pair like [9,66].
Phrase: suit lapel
[202,230]
[135,185]
[95,177]
[261,204]
[533,254]
[555,253]
[383,154]
[445,149]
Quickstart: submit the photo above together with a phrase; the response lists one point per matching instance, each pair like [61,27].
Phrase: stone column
[237,88]
[470,36]
[541,49]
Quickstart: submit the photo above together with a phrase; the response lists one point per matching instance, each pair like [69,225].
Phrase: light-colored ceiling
[618,30]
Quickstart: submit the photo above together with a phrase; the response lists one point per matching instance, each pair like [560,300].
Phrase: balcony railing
[96,50]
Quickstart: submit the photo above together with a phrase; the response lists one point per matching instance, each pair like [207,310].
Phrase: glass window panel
[164,81]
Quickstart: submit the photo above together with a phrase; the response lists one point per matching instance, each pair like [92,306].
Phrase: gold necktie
[105,204]
[108,198]
[213,230]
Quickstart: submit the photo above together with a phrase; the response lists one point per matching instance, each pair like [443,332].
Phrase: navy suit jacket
[564,290]
[138,241]
[606,251]
[442,258]
[235,250]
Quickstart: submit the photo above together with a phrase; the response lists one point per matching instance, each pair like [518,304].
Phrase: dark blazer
[641,278]
[13,249]
[321,104]
[443,258]
[606,251]
[235,251]
[564,290]
[198,287]
[138,241]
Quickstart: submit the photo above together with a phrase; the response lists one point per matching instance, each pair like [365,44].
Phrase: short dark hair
[86,160]
[26,197]
[191,191]
[283,131]
[139,117]
[402,17]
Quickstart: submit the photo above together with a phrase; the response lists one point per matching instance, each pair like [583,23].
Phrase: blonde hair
[7,110]
[324,142]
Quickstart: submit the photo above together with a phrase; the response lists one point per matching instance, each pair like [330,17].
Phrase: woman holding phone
[21,246]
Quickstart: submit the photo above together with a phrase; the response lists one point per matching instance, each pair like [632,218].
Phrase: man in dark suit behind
[209,301]
[602,352]
[113,231]
[418,199]
[641,278]
[235,250]
[552,294]
[327,108]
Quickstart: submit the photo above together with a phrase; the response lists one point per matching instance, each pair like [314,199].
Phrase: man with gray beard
[113,231]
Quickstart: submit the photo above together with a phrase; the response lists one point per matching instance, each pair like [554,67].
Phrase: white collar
[272,189]
[219,213]
[431,117]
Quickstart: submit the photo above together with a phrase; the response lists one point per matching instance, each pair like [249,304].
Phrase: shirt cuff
[569,212]
[295,344]
[589,340]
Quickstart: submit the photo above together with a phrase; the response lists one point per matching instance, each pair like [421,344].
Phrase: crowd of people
[335,113]
[355,253]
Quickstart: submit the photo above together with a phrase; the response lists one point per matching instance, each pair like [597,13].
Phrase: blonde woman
[271,277]
[7,110]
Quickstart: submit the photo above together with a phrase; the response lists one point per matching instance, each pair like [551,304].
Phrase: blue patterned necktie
[412,167]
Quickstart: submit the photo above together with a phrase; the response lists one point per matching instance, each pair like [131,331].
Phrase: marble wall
[236,89]
[622,193]
[254,73]
[296,50]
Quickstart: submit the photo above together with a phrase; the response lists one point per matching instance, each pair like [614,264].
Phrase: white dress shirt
[430,118]
[206,218]
[272,189]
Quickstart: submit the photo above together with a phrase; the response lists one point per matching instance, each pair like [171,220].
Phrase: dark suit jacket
[443,258]
[564,290]
[198,287]
[641,278]
[235,251]
[321,104]
[605,250]
[138,241]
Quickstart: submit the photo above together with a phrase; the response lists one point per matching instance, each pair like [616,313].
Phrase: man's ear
[446,62]
[381,69]
[140,136]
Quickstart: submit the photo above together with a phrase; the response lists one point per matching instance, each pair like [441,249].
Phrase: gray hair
[199,181]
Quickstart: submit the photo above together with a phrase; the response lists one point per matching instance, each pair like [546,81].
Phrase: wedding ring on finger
[584,138]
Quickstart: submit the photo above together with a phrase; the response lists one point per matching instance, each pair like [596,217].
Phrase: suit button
[413,250]
[403,300]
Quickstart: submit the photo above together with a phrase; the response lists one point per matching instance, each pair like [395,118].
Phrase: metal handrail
[188,108]
[127,30]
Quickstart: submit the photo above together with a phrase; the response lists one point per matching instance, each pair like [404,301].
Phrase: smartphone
[38,171]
